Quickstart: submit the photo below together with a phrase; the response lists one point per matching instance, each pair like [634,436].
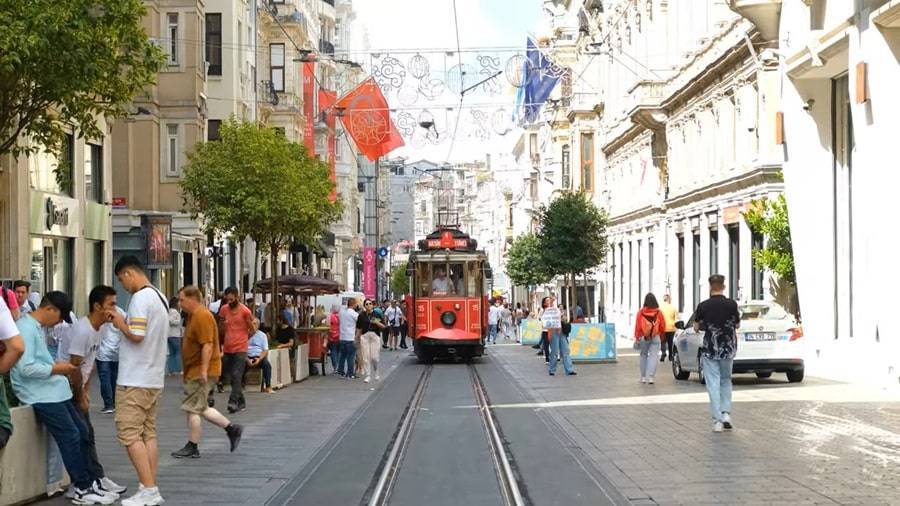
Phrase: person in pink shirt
[237,323]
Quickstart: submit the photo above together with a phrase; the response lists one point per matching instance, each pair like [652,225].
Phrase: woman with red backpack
[650,325]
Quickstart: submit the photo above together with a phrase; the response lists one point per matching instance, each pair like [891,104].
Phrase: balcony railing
[326,47]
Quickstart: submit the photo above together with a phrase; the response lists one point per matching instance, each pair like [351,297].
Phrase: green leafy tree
[67,62]
[769,218]
[525,264]
[399,280]
[255,183]
[573,237]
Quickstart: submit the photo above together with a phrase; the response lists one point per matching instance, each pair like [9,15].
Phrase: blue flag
[541,76]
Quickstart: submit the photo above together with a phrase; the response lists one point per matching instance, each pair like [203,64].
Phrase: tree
[68,62]
[525,264]
[399,280]
[573,237]
[255,183]
[769,218]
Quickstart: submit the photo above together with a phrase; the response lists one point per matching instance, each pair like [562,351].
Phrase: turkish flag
[368,121]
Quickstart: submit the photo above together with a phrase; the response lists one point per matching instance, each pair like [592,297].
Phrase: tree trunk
[587,297]
[273,248]
[240,279]
[572,299]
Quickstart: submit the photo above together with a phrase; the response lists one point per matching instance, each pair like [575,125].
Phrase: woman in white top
[551,320]
[173,360]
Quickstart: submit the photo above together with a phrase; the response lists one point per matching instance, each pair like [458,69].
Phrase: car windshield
[762,311]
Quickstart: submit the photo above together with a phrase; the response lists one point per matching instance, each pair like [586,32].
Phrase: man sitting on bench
[258,357]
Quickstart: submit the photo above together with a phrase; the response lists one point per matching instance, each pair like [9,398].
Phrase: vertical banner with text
[309,107]
[369,272]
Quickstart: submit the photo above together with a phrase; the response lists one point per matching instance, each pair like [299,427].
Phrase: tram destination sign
[448,239]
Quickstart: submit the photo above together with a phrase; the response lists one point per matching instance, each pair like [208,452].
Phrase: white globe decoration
[418,66]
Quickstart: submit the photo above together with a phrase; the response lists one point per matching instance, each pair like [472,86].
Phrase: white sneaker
[144,497]
[93,496]
[367,379]
[650,380]
[726,421]
[717,427]
[643,379]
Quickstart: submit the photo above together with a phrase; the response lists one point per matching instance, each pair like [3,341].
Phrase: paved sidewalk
[282,431]
[819,442]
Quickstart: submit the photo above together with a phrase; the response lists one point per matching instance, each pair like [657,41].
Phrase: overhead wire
[462,93]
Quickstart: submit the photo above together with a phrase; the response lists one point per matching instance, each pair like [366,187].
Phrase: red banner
[368,120]
[327,100]
[309,110]
[369,272]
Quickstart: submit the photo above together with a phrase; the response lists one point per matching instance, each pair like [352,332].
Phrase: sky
[428,24]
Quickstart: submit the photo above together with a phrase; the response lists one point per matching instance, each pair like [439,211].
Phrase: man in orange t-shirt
[201,361]
[238,326]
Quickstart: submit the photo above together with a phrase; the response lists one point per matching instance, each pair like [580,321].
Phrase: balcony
[326,47]
[584,104]
[765,14]
[647,97]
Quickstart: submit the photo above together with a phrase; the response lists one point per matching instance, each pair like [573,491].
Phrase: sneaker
[368,378]
[268,390]
[108,410]
[377,377]
[643,379]
[650,380]
[220,389]
[112,486]
[726,421]
[717,426]
[573,373]
[92,496]
[234,432]
[144,497]
[662,358]
[98,487]
[187,452]
[552,374]
[70,492]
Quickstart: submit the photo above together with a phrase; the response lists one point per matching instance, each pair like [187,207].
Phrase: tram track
[386,476]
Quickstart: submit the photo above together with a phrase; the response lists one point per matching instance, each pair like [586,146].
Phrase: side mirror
[679,325]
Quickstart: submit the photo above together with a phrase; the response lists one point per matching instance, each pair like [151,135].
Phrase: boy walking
[718,316]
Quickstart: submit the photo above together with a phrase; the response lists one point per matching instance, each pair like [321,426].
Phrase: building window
[612,256]
[51,264]
[621,272]
[93,172]
[533,146]
[533,186]
[172,168]
[842,206]
[587,162]
[630,275]
[52,172]
[680,273]
[640,274]
[214,44]
[172,33]
[734,261]
[94,267]
[276,66]
[650,253]
[566,167]
[756,288]
[212,129]
[713,252]
[695,287]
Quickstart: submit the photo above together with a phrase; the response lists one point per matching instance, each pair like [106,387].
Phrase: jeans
[649,356]
[404,329]
[266,368]
[347,356]
[669,339]
[173,359]
[233,365]
[72,437]
[545,345]
[492,332]
[334,350]
[718,384]
[93,460]
[108,372]
[559,347]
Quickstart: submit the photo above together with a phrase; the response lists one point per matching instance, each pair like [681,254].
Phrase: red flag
[368,121]
[327,99]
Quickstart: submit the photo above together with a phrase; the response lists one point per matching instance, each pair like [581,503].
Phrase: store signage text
[55,215]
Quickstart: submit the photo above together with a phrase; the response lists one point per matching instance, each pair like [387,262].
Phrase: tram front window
[442,280]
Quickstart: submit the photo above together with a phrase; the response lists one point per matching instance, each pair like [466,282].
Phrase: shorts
[136,414]
[196,395]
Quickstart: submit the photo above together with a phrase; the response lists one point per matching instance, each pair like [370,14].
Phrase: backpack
[646,326]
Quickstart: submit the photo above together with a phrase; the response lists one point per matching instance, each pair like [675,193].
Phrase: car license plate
[759,336]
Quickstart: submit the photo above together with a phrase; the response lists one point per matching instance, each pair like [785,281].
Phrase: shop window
[52,172]
[734,261]
[680,273]
[214,43]
[757,274]
[93,172]
[51,264]
[587,162]
[640,274]
[276,66]
[94,263]
[695,286]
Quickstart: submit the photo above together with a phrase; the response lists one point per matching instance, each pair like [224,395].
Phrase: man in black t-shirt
[369,341]
[719,318]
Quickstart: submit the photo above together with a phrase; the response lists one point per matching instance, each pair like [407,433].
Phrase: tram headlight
[448,318]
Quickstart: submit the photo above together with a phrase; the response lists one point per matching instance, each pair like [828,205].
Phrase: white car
[769,340]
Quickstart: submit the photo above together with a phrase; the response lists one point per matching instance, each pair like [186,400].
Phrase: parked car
[769,340]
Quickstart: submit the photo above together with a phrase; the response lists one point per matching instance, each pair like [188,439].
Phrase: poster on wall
[158,241]
[369,272]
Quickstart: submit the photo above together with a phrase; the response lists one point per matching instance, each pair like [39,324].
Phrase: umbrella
[298,284]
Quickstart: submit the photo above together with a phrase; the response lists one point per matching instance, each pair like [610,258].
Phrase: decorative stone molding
[764,14]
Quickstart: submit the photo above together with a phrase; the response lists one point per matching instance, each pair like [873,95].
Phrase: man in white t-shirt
[107,362]
[493,321]
[11,348]
[440,285]
[142,372]
[80,349]
[347,352]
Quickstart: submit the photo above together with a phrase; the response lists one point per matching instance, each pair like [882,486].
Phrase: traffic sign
[382,252]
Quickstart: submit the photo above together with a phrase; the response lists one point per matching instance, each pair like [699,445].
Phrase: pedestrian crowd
[358,333]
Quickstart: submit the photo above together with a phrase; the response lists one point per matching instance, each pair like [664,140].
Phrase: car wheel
[700,369]
[795,376]
[764,375]
[677,371]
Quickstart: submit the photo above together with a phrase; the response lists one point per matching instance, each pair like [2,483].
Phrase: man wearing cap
[41,382]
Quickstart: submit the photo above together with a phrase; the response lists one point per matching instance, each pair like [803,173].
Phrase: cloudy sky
[428,24]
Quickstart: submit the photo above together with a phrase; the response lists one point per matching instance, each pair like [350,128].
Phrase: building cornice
[761,174]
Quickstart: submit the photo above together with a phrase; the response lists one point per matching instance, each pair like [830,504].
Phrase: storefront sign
[369,272]
[119,203]
[158,241]
[54,215]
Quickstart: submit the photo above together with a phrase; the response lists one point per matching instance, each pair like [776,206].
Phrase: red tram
[448,305]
